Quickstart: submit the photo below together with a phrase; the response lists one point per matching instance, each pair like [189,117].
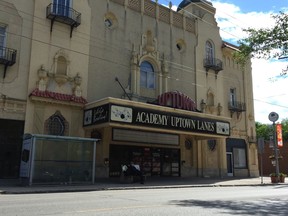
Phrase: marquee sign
[154,118]
[177,100]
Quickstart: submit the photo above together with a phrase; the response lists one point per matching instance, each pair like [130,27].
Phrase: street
[243,200]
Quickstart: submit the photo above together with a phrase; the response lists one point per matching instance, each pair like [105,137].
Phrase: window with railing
[61,7]
[209,51]
[61,11]
[7,55]
[210,62]
[233,96]
[2,39]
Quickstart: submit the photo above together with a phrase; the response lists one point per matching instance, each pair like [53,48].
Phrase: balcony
[213,64]
[237,107]
[7,58]
[63,14]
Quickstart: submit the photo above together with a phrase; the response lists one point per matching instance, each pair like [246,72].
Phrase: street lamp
[273,117]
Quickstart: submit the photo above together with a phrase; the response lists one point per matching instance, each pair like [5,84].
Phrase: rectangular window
[61,7]
[233,96]
[239,155]
[2,40]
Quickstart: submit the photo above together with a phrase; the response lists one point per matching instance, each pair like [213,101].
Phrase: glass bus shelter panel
[63,162]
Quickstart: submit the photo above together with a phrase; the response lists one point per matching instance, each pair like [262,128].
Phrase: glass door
[229,163]
[156,162]
[61,7]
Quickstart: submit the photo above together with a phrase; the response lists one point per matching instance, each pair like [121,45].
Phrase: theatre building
[153,84]
[165,92]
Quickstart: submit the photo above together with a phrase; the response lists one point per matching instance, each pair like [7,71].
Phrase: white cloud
[269,88]
[232,21]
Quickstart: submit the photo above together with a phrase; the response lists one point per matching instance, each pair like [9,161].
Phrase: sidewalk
[12,186]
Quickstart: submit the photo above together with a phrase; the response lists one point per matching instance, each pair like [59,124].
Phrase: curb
[66,190]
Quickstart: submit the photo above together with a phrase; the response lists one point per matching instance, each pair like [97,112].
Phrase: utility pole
[273,117]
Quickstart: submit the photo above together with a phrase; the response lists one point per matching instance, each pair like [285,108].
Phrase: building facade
[165,92]
[15,48]
[158,87]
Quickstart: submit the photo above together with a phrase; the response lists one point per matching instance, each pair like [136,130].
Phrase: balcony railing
[214,64]
[7,57]
[237,107]
[63,14]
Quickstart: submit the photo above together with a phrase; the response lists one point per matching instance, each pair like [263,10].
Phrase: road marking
[114,209]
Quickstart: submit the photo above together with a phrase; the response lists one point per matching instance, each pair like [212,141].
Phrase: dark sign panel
[154,118]
[96,115]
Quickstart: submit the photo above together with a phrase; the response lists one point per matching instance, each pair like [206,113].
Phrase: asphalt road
[258,200]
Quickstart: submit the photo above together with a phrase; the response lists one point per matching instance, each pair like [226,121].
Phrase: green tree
[265,130]
[265,42]
[285,129]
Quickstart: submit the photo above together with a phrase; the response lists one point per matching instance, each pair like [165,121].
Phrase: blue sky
[269,89]
[246,5]
[258,5]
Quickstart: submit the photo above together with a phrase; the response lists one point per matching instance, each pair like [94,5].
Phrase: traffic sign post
[273,117]
[261,151]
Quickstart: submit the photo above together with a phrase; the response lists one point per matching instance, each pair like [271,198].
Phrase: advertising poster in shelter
[26,156]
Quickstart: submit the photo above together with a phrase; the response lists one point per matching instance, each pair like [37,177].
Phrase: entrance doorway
[229,156]
[11,133]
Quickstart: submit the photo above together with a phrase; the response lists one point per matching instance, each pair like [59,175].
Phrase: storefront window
[239,155]
[152,161]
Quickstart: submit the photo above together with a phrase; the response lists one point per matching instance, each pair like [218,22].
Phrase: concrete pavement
[12,186]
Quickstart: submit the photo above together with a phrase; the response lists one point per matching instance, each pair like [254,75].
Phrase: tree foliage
[265,42]
[265,130]
[285,129]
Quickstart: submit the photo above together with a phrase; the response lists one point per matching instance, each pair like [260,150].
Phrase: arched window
[210,99]
[209,52]
[147,79]
[56,125]
[61,66]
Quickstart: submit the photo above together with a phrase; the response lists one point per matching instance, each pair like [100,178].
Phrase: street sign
[273,116]
[261,145]
[279,135]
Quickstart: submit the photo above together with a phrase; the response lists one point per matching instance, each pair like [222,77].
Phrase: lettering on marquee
[177,100]
[174,122]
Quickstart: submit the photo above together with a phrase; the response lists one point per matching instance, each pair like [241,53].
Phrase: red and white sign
[279,135]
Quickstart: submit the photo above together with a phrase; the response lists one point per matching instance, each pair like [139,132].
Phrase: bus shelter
[48,159]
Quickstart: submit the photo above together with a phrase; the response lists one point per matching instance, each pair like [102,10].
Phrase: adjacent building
[158,87]
[15,48]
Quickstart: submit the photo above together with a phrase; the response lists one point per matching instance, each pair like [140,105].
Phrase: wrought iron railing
[7,57]
[237,106]
[213,63]
[62,12]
